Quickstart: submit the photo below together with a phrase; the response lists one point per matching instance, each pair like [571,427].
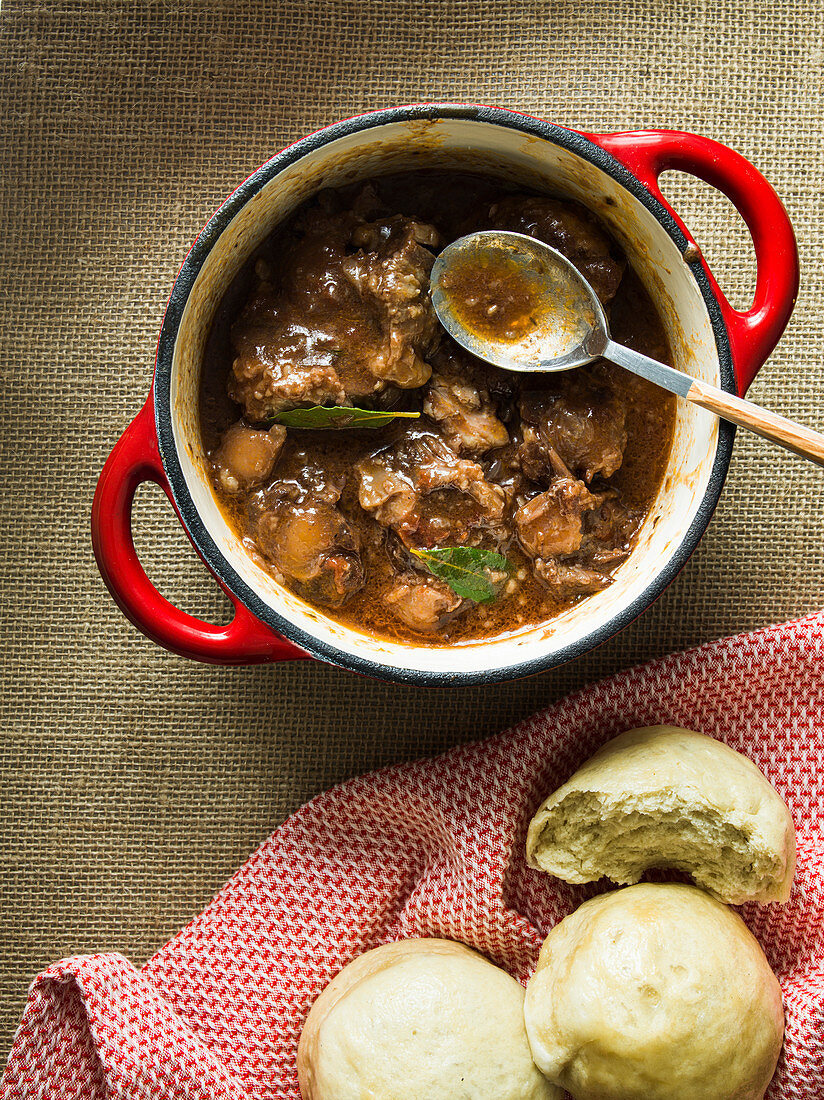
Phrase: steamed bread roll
[668,797]
[655,992]
[425,1019]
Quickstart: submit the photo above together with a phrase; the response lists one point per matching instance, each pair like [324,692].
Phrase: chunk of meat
[345,324]
[609,531]
[424,604]
[375,235]
[568,227]
[551,523]
[391,272]
[567,579]
[538,459]
[462,408]
[422,490]
[503,467]
[585,426]
[303,532]
[246,457]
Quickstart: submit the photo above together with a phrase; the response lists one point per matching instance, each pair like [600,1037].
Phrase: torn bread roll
[668,797]
[429,1019]
[655,992]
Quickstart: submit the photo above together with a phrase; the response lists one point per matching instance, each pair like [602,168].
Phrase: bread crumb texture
[664,797]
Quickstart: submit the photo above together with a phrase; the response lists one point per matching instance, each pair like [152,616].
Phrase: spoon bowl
[517,303]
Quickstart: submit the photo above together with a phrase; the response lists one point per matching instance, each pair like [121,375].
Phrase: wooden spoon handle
[797,438]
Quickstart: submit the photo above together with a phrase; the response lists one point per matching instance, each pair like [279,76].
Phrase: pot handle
[753,332]
[135,459]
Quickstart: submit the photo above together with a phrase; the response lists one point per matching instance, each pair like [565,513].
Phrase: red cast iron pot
[616,175]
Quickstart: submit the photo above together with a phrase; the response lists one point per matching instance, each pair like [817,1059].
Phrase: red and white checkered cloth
[433,848]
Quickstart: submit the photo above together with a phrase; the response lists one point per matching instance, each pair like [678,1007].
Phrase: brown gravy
[492,297]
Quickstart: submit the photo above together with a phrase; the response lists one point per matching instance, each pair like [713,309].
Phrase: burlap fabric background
[133,783]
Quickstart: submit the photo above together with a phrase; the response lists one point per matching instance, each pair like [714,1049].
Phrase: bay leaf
[339,417]
[467,570]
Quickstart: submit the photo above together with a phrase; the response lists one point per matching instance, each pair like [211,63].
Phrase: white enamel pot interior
[515,148]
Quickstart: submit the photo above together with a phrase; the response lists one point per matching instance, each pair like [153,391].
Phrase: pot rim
[568,139]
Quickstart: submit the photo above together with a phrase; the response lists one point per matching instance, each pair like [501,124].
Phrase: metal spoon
[522,305]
